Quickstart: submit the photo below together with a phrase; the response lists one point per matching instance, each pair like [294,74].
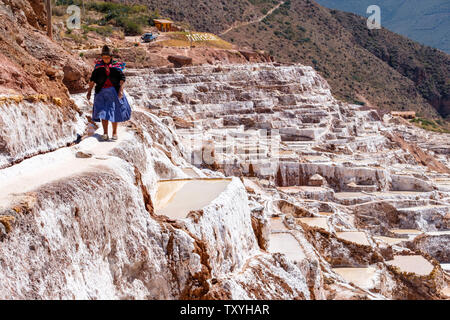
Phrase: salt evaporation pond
[362,277]
[315,222]
[276,224]
[176,198]
[354,236]
[286,243]
[412,264]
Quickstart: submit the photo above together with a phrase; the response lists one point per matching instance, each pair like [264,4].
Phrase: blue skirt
[108,106]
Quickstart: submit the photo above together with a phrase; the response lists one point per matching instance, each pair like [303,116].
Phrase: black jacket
[99,77]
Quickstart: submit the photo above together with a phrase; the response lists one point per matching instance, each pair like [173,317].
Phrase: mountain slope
[427,22]
[358,63]
[212,16]
[377,68]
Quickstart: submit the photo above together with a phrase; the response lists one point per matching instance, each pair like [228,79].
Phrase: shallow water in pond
[356,236]
[412,264]
[276,224]
[287,244]
[176,198]
[315,222]
[362,277]
[389,240]
[406,231]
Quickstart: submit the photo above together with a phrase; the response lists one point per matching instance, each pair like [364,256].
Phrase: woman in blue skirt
[110,104]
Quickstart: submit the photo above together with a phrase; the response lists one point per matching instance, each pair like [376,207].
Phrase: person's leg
[114,126]
[105,126]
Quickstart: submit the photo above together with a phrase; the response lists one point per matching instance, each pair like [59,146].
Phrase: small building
[163,25]
[404,114]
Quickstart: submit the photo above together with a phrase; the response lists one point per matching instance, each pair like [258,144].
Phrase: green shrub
[132,18]
[130,27]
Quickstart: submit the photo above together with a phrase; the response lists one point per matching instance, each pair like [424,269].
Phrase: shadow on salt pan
[176,198]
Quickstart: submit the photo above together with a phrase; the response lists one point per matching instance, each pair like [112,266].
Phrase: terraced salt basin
[362,277]
[176,198]
[389,240]
[286,243]
[354,236]
[315,222]
[407,231]
[412,264]
[276,224]
[410,233]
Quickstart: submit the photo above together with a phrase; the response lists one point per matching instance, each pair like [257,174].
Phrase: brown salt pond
[286,243]
[412,264]
[362,277]
[354,236]
[315,222]
[176,198]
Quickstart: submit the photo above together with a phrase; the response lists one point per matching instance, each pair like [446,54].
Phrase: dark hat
[106,51]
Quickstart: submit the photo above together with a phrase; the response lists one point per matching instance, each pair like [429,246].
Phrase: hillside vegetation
[209,15]
[424,21]
[102,17]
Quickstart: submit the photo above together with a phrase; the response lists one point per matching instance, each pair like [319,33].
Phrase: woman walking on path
[110,103]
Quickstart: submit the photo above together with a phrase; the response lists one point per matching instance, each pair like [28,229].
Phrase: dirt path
[242,24]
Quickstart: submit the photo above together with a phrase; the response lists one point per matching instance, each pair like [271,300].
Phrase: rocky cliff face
[36,75]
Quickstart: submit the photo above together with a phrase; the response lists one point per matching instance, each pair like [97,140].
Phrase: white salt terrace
[231,104]
[439,233]
[287,244]
[354,236]
[62,163]
[176,198]
[412,264]
[362,277]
